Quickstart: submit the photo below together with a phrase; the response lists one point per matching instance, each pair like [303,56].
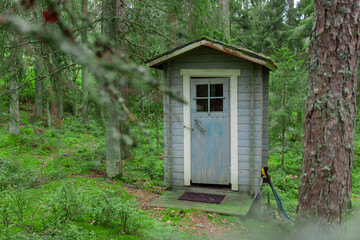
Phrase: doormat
[202,197]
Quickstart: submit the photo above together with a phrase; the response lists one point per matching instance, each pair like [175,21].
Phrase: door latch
[202,128]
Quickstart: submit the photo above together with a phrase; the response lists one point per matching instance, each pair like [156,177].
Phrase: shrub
[12,174]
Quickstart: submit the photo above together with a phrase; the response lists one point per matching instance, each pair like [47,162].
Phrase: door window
[209,98]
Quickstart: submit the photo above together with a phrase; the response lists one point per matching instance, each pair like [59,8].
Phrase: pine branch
[37,78]
[143,27]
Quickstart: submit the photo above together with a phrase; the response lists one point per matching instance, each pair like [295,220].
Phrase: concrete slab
[233,205]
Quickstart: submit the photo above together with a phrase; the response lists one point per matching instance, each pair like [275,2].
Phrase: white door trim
[233,75]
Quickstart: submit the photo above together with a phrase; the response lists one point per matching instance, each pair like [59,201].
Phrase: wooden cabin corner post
[252,128]
[234,132]
[187,130]
[168,124]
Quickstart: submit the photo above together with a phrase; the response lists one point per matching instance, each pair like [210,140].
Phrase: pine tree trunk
[124,127]
[60,99]
[14,108]
[75,97]
[113,137]
[84,72]
[291,13]
[39,86]
[329,126]
[48,115]
[224,16]
[113,150]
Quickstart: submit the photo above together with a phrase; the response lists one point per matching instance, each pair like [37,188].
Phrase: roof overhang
[243,53]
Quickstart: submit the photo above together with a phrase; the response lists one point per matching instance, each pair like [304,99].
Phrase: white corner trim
[210,72]
[234,133]
[233,75]
[187,130]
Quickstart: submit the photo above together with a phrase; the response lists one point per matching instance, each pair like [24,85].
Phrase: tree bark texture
[224,16]
[48,114]
[14,108]
[84,72]
[75,98]
[113,137]
[329,125]
[60,97]
[39,87]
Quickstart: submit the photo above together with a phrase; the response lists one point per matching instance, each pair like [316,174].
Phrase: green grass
[52,185]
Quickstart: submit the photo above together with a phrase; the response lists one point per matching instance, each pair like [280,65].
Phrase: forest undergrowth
[53,186]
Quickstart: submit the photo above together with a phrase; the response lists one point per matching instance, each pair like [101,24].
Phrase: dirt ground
[196,223]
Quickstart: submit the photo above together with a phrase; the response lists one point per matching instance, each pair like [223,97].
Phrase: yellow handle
[263,173]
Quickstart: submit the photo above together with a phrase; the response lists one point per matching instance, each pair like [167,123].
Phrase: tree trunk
[329,126]
[113,137]
[84,72]
[48,115]
[75,97]
[75,74]
[291,13]
[39,86]
[224,16]
[60,98]
[14,108]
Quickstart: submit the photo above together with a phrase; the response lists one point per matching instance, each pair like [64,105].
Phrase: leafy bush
[12,174]
[72,211]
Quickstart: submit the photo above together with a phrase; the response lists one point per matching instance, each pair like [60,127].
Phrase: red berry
[51,16]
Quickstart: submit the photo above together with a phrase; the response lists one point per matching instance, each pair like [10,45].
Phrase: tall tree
[14,92]
[84,71]
[39,86]
[287,86]
[329,126]
[113,151]
[224,16]
[14,108]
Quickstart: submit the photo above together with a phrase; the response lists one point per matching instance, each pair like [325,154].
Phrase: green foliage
[147,167]
[286,97]
[76,208]
[12,174]
[175,215]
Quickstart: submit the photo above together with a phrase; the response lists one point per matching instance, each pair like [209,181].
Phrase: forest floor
[53,186]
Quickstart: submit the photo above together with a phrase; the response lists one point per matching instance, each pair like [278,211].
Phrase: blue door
[210,137]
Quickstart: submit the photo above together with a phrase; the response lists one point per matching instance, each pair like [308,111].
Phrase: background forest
[72,72]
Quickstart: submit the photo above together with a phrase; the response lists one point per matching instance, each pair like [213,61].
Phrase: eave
[242,53]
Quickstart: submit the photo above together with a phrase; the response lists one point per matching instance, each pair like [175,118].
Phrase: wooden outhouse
[219,135]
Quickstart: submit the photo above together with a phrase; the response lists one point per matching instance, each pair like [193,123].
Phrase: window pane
[216,90]
[201,90]
[216,105]
[201,105]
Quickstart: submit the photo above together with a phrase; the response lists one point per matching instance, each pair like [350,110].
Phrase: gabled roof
[239,52]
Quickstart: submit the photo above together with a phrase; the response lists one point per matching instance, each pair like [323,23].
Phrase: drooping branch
[37,78]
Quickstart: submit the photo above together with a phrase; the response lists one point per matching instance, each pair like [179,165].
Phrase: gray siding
[265,133]
[206,58]
[244,127]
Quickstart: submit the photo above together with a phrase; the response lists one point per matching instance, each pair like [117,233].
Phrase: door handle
[202,128]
